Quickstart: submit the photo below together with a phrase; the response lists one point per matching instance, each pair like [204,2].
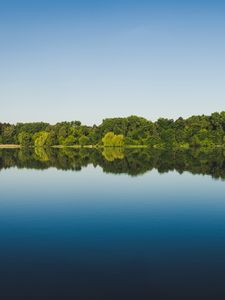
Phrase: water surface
[134,224]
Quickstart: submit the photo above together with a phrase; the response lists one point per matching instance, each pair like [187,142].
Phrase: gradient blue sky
[88,60]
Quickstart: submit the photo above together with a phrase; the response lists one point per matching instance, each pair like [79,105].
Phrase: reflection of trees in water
[117,160]
[41,154]
[112,153]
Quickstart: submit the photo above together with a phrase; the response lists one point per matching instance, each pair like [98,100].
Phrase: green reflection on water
[118,160]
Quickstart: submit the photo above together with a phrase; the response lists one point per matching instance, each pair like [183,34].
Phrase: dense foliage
[113,140]
[196,131]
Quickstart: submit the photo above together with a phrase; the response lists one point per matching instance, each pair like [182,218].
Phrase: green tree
[69,141]
[195,131]
[83,140]
[9,134]
[51,139]
[112,140]
[118,140]
[25,139]
[40,139]
[195,141]
[107,139]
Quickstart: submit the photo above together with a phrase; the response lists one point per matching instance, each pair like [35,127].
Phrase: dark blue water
[91,235]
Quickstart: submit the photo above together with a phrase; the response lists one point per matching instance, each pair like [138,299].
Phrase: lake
[112,224]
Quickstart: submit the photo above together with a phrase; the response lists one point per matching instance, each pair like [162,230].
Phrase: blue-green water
[88,234]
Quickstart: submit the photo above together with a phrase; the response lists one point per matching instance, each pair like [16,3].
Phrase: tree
[195,142]
[118,140]
[83,140]
[8,134]
[51,139]
[112,140]
[40,139]
[69,141]
[107,139]
[195,131]
[25,139]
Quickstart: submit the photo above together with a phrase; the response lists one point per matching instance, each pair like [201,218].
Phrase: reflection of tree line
[118,160]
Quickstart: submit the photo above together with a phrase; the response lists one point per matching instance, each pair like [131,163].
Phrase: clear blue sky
[88,60]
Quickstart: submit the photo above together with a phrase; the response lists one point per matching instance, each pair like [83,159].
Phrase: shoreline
[98,146]
[10,146]
[14,146]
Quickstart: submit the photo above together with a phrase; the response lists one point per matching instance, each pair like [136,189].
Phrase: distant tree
[112,140]
[40,139]
[25,139]
[118,140]
[8,134]
[107,139]
[51,139]
[69,141]
[195,141]
[83,140]
[130,141]
[195,131]
[62,131]
[76,123]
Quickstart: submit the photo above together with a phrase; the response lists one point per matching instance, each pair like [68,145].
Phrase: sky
[89,60]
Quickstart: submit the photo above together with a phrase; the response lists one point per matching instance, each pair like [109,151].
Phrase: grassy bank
[9,146]
[13,146]
[98,146]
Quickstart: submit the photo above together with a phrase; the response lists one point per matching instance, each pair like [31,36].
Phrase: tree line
[195,131]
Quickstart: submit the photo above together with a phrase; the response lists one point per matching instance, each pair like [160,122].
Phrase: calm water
[113,225]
